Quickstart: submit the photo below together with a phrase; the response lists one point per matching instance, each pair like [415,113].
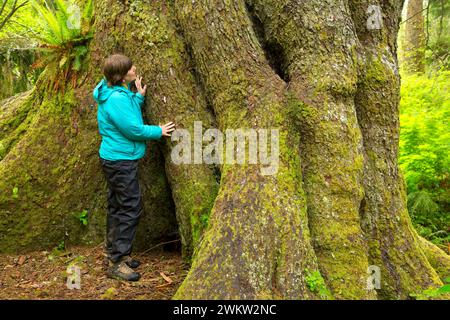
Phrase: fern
[63,45]
[421,203]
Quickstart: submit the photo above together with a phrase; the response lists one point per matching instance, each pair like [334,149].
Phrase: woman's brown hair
[116,67]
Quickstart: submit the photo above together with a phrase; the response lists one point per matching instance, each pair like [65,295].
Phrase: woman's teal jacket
[120,123]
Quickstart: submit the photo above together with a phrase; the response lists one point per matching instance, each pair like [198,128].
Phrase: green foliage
[82,217]
[428,217]
[109,293]
[65,37]
[204,219]
[431,293]
[424,152]
[15,192]
[62,25]
[9,10]
[316,283]
[57,251]
[61,246]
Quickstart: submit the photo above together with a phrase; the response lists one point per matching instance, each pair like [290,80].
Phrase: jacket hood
[102,91]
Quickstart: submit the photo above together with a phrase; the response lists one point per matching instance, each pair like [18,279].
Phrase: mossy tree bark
[393,244]
[311,69]
[319,62]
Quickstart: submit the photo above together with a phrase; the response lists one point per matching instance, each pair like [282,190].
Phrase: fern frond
[421,203]
[88,11]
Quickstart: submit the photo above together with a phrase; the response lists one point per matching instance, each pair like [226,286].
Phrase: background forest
[424,53]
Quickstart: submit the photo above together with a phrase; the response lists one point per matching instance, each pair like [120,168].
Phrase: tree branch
[13,10]
[3,7]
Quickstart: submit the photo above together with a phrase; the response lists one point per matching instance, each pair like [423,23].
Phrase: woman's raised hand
[167,129]
[138,83]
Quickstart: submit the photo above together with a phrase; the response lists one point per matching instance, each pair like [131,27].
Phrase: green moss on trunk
[257,242]
[319,60]
[392,241]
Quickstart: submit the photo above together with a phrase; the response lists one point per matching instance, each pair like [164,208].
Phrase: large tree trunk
[393,244]
[311,69]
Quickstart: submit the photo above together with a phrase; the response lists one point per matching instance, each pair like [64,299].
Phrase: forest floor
[43,275]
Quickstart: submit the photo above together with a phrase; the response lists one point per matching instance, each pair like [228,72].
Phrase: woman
[123,143]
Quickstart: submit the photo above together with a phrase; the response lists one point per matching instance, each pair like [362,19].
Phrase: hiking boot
[132,263]
[121,271]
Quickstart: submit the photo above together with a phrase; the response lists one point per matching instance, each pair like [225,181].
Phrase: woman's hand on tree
[138,83]
[167,129]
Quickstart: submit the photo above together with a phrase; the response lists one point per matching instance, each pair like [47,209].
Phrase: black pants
[124,206]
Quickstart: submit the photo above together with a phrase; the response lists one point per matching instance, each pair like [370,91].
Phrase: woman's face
[131,75]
